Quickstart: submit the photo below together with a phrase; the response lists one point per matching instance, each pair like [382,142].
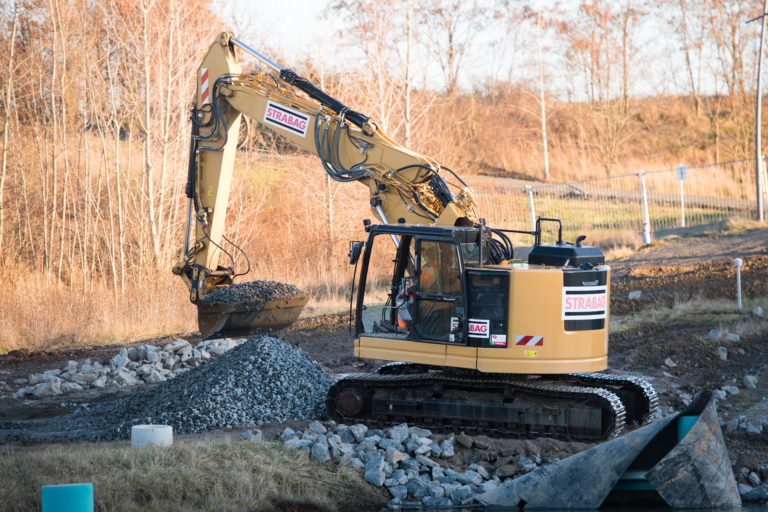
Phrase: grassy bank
[201,475]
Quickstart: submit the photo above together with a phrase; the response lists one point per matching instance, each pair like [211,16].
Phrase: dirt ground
[672,271]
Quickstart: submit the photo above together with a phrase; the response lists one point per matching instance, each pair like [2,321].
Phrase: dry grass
[41,316]
[701,312]
[205,475]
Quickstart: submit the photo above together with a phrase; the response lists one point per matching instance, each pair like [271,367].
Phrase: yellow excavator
[477,339]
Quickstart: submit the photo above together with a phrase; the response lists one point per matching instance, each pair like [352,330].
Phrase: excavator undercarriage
[588,407]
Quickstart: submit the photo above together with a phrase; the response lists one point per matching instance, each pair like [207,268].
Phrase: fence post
[646,217]
[682,175]
[531,210]
[764,187]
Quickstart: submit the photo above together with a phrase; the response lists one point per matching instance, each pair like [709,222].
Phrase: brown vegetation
[95,140]
[210,475]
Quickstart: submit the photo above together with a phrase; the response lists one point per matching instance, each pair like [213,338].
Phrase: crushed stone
[252,292]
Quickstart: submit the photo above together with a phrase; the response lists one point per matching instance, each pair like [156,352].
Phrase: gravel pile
[251,292]
[264,379]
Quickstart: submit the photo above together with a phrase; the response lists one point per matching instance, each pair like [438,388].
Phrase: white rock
[153,377]
[722,353]
[70,387]
[176,345]
[758,311]
[733,337]
[35,379]
[126,378]
[84,379]
[120,360]
[670,363]
[184,354]
[100,383]
[71,366]
[145,369]
[750,381]
[153,356]
[133,354]
[635,294]
[714,334]
[50,388]
[731,390]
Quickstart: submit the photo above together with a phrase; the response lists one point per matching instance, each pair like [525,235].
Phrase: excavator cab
[416,290]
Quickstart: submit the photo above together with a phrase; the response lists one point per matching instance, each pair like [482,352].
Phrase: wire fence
[630,208]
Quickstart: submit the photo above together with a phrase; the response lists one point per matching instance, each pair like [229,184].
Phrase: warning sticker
[529,341]
[205,96]
[499,340]
[530,353]
[286,118]
[584,302]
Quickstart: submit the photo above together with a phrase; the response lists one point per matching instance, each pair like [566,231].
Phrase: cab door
[439,292]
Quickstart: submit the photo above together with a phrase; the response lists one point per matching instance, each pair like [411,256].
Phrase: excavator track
[637,394]
[476,402]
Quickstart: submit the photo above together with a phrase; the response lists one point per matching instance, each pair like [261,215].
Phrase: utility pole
[758,104]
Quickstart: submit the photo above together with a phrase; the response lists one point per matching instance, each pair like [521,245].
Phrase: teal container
[684,424]
[67,498]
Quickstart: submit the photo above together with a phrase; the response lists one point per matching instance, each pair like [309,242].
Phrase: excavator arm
[404,186]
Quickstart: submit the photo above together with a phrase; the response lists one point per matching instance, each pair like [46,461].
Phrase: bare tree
[452,26]
[7,105]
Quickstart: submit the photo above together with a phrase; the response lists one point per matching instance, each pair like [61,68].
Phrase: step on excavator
[478,340]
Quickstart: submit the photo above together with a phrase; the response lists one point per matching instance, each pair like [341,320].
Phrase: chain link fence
[630,208]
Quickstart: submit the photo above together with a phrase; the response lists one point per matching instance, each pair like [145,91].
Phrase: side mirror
[355,250]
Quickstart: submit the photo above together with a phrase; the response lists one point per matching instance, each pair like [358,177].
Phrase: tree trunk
[7,118]
[148,170]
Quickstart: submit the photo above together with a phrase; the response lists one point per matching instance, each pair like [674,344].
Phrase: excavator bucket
[248,308]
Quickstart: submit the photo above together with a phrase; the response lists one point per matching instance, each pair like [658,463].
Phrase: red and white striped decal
[205,96]
[529,341]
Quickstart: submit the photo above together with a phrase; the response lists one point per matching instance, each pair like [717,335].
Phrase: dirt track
[678,270]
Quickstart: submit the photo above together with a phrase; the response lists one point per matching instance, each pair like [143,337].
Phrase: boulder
[399,433]
[120,360]
[176,345]
[359,431]
[70,387]
[750,381]
[299,444]
[50,388]
[446,448]
[374,471]
[317,428]
[399,491]
[321,452]
[464,440]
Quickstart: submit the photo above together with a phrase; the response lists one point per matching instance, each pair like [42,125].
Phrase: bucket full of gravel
[248,307]
[264,379]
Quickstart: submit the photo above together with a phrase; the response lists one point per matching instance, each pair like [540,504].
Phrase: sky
[293,26]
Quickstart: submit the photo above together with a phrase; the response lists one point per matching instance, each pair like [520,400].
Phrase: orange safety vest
[427,277]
